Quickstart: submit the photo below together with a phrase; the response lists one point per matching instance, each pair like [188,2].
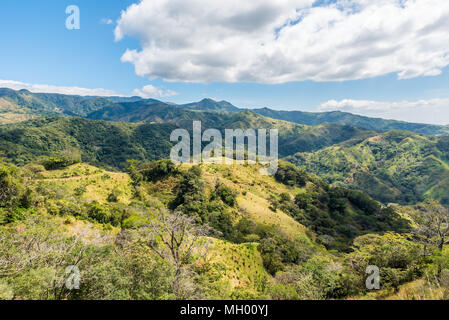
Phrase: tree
[157,170]
[177,239]
[397,258]
[64,159]
[34,255]
[290,175]
[226,194]
[191,198]
[433,228]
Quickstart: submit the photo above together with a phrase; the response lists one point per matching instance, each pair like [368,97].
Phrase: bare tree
[181,242]
[37,243]
[433,228]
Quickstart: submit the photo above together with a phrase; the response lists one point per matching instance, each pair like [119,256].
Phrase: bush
[103,215]
[34,168]
[64,159]
[290,175]
[191,199]
[157,170]
[114,195]
[80,190]
[226,194]
[12,191]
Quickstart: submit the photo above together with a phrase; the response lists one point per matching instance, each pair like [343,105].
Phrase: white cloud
[433,111]
[45,88]
[286,40]
[150,91]
[106,21]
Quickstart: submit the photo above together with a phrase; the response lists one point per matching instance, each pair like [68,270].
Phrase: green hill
[344,118]
[269,236]
[112,143]
[38,104]
[397,166]
[210,105]
[100,142]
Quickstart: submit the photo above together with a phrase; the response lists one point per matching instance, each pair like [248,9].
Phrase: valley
[85,181]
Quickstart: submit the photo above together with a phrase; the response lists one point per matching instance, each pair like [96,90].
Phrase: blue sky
[38,49]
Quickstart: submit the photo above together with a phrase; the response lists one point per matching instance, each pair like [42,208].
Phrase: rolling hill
[112,143]
[344,118]
[396,166]
[267,233]
[76,197]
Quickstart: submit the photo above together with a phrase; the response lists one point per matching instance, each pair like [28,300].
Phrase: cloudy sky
[383,58]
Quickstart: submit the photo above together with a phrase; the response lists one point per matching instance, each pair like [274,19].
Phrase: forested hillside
[97,194]
[101,142]
[253,237]
[344,118]
[112,143]
[397,166]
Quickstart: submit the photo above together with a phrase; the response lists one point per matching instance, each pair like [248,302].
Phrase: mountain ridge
[22,105]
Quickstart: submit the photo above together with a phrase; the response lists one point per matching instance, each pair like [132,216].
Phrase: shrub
[64,159]
[290,175]
[157,170]
[226,194]
[114,195]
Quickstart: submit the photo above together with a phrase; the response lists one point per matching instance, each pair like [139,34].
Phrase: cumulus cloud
[286,40]
[150,91]
[433,111]
[45,88]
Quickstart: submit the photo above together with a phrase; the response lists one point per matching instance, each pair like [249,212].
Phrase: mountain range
[21,105]
[92,170]
[404,166]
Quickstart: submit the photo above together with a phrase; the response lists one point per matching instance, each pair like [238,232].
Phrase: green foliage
[48,223]
[16,199]
[226,194]
[398,259]
[114,195]
[102,214]
[126,271]
[191,198]
[276,249]
[157,170]
[111,144]
[396,166]
[290,175]
[80,190]
[62,160]
[105,143]
[339,215]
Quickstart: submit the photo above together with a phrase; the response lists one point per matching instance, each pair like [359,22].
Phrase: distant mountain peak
[208,104]
[208,100]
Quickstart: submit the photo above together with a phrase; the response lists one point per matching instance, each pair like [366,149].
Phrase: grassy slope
[98,182]
[254,190]
[239,264]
